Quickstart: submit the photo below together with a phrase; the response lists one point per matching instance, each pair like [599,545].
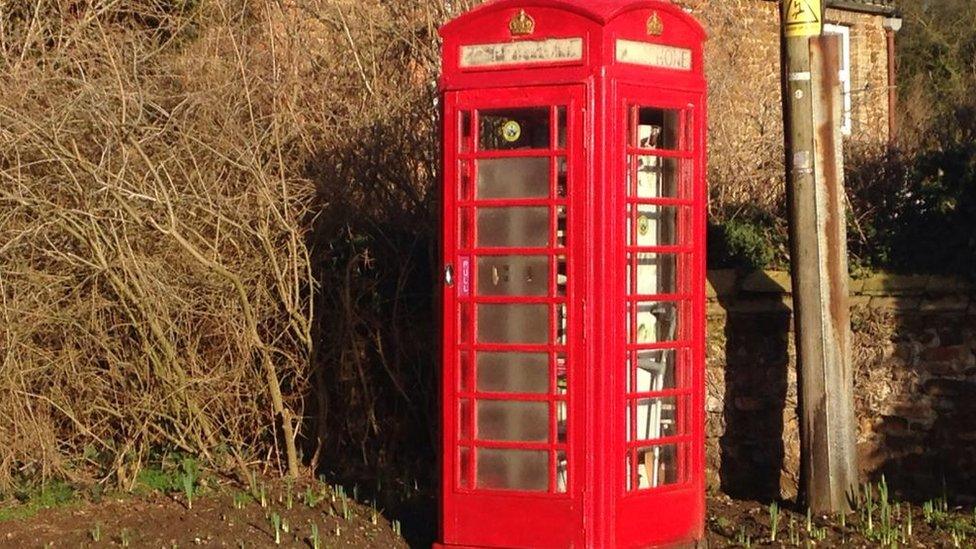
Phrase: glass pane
[513,227]
[562,472]
[464,189]
[513,373]
[464,228]
[657,177]
[525,324]
[562,182]
[509,129]
[657,418]
[513,275]
[561,114]
[659,466]
[658,129]
[656,322]
[513,470]
[562,324]
[513,178]
[562,375]
[562,275]
[656,274]
[513,421]
[562,423]
[464,324]
[464,420]
[464,371]
[656,226]
[630,471]
[464,467]
[656,371]
[562,226]
[465,132]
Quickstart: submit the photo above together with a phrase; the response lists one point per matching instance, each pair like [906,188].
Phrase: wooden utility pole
[818,236]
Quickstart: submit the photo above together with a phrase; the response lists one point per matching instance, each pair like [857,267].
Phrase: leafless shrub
[216,232]
[154,278]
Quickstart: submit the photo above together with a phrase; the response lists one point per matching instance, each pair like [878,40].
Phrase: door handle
[449,275]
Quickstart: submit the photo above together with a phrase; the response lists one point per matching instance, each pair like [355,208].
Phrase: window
[658,235]
[845,71]
[514,360]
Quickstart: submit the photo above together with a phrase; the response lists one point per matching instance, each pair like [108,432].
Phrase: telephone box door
[514,372]
[661,253]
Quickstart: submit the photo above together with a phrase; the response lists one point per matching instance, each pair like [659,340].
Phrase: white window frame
[844,32]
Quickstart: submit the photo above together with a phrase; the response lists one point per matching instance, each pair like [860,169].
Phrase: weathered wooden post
[818,233]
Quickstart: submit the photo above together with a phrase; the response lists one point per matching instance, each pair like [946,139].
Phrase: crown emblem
[522,24]
[655,27]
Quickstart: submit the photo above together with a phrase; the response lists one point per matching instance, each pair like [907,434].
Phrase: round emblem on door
[643,225]
[511,131]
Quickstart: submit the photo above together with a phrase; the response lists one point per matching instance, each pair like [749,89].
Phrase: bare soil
[159,521]
[223,520]
[748,524]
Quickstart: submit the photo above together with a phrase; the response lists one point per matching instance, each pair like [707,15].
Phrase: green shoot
[96,532]
[396,528]
[241,500]
[869,508]
[314,539]
[188,480]
[773,521]
[188,490]
[311,500]
[723,523]
[886,520]
[276,526]
[125,538]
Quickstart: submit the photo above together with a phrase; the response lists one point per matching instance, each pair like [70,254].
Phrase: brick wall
[745,105]
[915,360]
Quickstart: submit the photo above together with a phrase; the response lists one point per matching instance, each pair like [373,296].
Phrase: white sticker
[653,55]
[522,53]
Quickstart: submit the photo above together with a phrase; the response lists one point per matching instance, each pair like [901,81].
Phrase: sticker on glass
[643,225]
[511,131]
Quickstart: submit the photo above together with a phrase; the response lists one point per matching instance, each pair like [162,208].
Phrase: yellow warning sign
[803,18]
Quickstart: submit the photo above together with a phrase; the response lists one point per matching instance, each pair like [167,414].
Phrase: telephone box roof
[600,11]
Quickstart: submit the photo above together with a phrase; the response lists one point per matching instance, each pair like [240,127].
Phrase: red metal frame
[603,504]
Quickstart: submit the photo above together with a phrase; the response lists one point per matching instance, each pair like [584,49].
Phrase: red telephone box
[574,260]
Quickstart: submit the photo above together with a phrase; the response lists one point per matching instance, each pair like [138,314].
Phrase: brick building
[743,64]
